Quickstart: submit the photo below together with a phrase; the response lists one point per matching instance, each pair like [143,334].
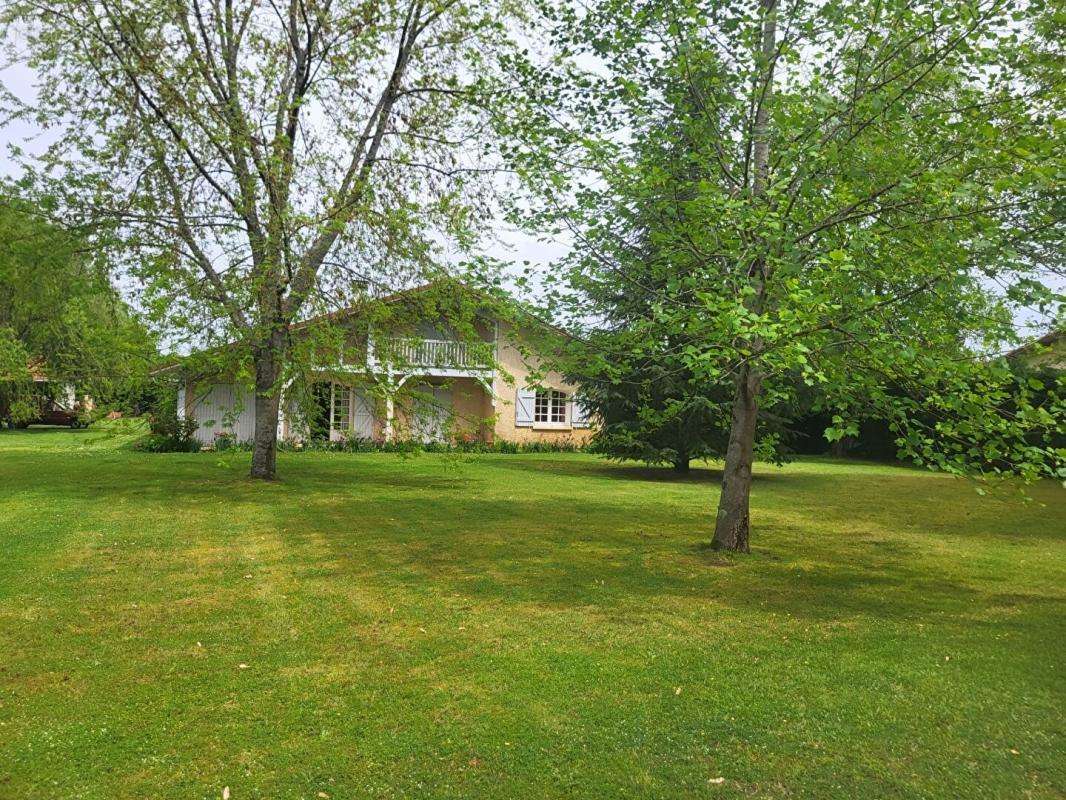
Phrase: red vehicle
[56,402]
[54,415]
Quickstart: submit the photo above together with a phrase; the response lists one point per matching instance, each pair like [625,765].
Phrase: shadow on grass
[114,435]
[472,548]
[615,471]
[487,534]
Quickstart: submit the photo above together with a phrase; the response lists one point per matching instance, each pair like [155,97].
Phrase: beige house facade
[428,385]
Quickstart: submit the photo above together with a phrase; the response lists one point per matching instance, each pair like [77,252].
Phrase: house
[1046,353]
[416,378]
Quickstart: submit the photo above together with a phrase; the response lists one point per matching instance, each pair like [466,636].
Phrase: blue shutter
[579,414]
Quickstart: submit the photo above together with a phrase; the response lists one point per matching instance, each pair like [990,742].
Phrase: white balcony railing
[443,353]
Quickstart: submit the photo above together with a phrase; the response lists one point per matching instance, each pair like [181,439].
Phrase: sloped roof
[395,297]
[1041,350]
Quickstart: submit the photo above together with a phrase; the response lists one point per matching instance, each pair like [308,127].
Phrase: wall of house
[220,407]
[292,426]
[476,413]
[470,407]
[518,366]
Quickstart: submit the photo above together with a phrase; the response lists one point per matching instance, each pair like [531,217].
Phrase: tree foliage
[60,314]
[634,373]
[852,197]
[266,161]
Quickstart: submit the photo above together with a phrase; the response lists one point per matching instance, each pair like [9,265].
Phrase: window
[342,404]
[549,406]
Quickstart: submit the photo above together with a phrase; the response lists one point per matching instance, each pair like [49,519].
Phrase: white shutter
[181,403]
[523,407]
[363,417]
[579,414]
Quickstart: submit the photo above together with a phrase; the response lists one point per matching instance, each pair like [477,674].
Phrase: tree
[60,314]
[865,186]
[263,159]
[633,372]
[653,416]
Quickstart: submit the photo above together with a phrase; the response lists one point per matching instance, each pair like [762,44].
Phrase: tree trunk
[269,361]
[840,448]
[732,528]
[681,465]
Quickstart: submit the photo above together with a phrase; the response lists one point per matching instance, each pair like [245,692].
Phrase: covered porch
[419,407]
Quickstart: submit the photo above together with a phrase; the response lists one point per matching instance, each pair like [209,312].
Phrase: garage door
[224,408]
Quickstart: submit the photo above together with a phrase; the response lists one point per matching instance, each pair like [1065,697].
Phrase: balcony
[432,356]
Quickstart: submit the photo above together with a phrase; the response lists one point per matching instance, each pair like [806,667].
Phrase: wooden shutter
[579,415]
[523,407]
[363,417]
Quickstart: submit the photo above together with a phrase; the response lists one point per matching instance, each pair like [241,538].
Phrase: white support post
[332,389]
[389,411]
[282,416]
[390,405]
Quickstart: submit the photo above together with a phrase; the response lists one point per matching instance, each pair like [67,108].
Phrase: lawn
[375,626]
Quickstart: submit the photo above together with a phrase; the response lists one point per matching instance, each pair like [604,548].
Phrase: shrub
[158,443]
[226,441]
[168,434]
[357,444]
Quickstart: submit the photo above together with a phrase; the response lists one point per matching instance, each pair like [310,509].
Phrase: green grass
[518,627]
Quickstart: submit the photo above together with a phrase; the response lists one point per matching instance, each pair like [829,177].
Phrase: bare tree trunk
[732,529]
[681,464]
[269,361]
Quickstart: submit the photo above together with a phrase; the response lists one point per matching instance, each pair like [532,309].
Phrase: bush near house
[358,444]
[460,445]
[168,434]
